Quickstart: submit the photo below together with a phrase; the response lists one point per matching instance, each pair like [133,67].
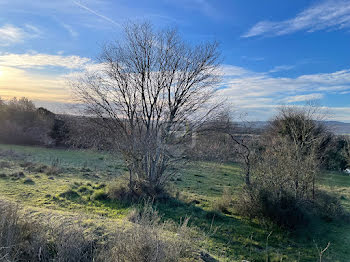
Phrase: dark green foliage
[85,190]
[22,123]
[285,211]
[99,195]
[69,194]
[337,154]
[59,132]
[28,181]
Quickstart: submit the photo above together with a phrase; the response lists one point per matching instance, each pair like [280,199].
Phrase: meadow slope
[59,184]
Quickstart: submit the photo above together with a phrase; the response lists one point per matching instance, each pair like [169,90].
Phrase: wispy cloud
[19,79]
[328,15]
[302,98]
[97,14]
[259,93]
[20,82]
[10,34]
[70,30]
[35,61]
[281,68]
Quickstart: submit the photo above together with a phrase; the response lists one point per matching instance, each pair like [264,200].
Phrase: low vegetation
[24,239]
[207,194]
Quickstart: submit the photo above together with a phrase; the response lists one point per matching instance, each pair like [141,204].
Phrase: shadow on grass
[232,236]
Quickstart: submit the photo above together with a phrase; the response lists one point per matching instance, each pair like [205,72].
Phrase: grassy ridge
[83,175]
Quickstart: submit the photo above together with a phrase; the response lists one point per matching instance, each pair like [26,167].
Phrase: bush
[69,194]
[28,181]
[85,190]
[285,211]
[146,241]
[120,190]
[99,195]
[223,203]
[328,206]
[5,164]
[19,241]
[68,241]
[71,243]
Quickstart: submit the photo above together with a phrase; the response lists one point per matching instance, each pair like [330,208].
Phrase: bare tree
[307,136]
[242,138]
[152,89]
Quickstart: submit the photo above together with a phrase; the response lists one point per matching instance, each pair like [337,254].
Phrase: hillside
[57,179]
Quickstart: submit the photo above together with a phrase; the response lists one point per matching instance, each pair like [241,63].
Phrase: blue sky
[274,52]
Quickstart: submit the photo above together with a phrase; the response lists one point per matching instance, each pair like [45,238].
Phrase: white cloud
[281,68]
[328,15]
[256,93]
[302,98]
[19,79]
[260,93]
[10,34]
[43,60]
[19,82]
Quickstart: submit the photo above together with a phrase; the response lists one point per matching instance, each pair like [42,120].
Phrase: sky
[273,52]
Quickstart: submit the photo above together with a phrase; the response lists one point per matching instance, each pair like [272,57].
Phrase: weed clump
[84,190]
[120,190]
[224,203]
[5,164]
[69,194]
[146,241]
[17,175]
[28,181]
[99,195]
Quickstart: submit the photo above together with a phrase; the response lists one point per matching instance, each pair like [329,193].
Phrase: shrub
[223,203]
[5,164]
[285,211]
[17,175]
[99,195]
[71,243]
[146,241]
[69,194]
[19,241]
[85,190]
[328,206]
[52,170]
[119,191]
[29,181]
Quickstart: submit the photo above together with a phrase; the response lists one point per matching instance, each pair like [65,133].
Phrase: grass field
[60,183]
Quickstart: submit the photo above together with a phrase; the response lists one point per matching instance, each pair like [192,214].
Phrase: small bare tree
[242,138]
[285,167]
[152,89]
[306,138]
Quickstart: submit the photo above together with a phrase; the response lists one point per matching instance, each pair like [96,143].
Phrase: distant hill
[339,128]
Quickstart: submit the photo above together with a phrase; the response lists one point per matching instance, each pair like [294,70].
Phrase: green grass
[78,190]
